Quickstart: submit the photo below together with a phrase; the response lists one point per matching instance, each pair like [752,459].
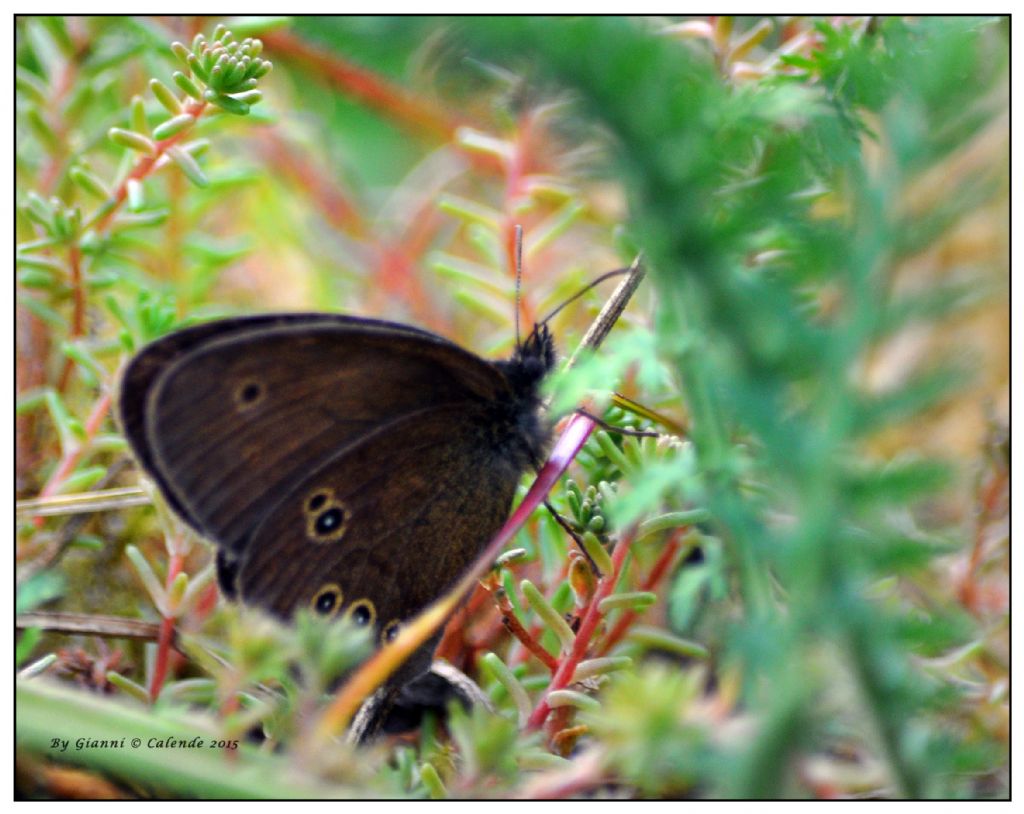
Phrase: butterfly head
[532,360]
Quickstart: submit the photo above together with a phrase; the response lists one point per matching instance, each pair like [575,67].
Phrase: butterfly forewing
[228,417]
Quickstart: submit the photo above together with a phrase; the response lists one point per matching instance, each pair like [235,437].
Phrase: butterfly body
[347,465]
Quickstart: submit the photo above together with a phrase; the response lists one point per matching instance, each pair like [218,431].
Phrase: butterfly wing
[228,416]
[387,524]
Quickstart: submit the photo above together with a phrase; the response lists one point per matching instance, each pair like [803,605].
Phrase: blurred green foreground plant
[801,632]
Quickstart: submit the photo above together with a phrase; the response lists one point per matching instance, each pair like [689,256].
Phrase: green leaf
[173,126]
[187,85]
[165,96]
[38,590]
[132,140]
[27,644]
[189,166]
[82,480]
[31,85]
[552,619]
[226,102]
[89,182]
[898,482]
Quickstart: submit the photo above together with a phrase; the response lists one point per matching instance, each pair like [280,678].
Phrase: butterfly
[351,466]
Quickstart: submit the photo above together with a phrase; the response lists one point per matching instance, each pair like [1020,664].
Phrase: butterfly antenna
[519,274]
[606,276]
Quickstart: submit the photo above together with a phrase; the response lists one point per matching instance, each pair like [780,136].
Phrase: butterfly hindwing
[386,525]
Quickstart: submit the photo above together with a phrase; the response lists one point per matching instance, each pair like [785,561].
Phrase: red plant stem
[33,343]
[627,619]
[522,656]
[166,635]
[455,647]
[591,619]
[143,167]
[397,277]
[557,721]
[515,627]
[61,87]
[146,164]
[364,85]
[989,496]
[395,263]
[538,629]
[332,201]
[73,456]
[390,100]
[230,706]
[78,312]
[486,640]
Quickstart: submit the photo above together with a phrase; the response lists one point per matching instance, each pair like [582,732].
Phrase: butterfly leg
[567,526]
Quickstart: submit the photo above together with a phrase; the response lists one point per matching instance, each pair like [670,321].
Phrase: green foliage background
[822,209]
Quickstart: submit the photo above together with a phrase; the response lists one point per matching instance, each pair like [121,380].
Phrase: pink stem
[591,618]
[73,456]
[166,635]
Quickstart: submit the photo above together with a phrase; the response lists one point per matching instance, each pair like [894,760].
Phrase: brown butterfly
[347,465]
